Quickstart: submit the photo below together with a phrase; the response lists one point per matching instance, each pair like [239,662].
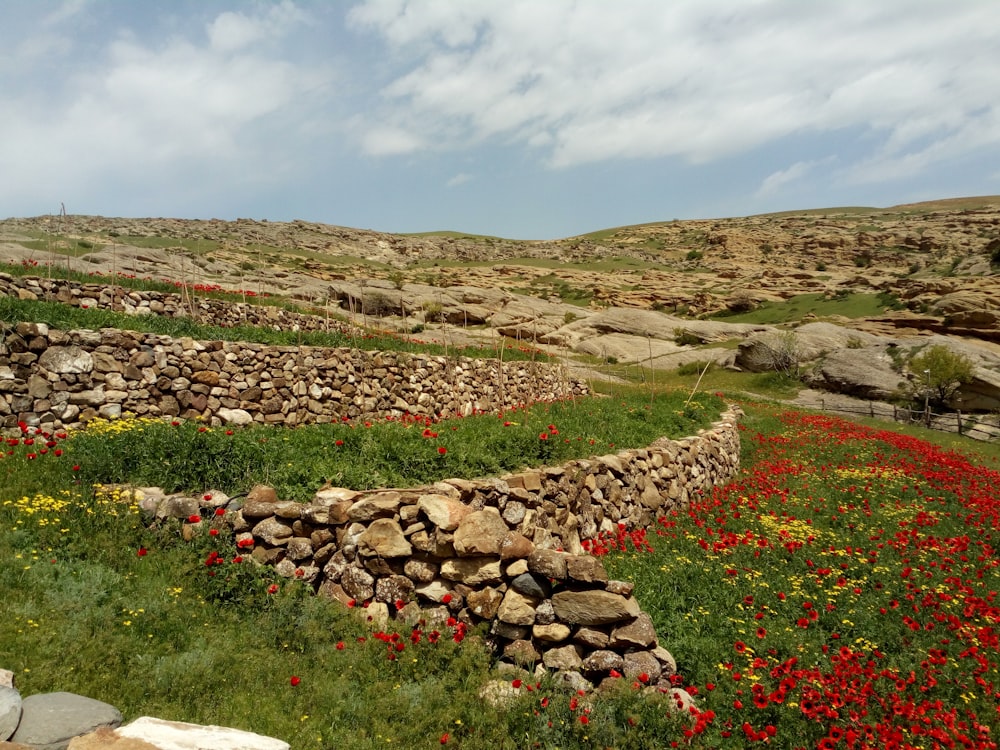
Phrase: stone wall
[60,379]
[510,551]
[218,312]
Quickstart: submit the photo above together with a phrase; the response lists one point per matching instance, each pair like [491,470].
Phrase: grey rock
[530,585]
[66,360]
[10,711]
[50,720]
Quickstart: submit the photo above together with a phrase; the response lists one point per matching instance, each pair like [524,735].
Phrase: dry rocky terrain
[650,294]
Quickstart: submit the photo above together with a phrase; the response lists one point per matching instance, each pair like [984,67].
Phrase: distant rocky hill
[632,294]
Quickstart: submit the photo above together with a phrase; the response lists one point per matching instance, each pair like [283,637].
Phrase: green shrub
[684,337]
[695,368]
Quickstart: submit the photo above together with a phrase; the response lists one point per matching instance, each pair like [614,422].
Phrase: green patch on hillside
[853,305]
[199,246]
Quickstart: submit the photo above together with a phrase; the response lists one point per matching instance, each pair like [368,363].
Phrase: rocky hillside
[659,294]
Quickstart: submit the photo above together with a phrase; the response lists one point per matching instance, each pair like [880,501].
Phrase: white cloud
[390,141]
[777,180]
[231,31]
[460,179]
[584,81]
[66,11]
[201,107]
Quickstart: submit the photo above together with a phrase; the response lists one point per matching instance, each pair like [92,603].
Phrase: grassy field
[99,604]
[839,593]
[854,305]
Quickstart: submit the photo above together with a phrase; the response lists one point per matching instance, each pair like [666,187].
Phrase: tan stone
[99,740]
[379,505]
[637,634]
[515,545]
[553,633]
[602,661]
[443,511]
[484,603]
[585,568]
[593,607]
[549,563]
[384,538]
[564,657]
[261,493]
[591,637]
[480,533]
[273,531]
[420,571]
[521,652]
[517,609]
[472,571]
[638,663]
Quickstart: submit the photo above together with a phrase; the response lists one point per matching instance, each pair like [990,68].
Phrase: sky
[526,119]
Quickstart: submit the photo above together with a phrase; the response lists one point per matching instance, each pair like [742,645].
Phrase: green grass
[199,246]
[854,305]
[97,603]
[189,456]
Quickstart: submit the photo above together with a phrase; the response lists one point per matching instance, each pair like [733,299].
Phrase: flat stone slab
[176,735]
[50,720]
[107,739]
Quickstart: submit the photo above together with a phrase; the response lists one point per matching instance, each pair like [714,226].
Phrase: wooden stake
[695,389]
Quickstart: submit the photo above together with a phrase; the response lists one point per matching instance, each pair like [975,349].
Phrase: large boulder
[866,373]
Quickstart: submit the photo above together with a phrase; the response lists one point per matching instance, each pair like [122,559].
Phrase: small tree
[942,371]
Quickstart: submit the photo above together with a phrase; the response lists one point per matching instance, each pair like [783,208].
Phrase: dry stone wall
[510,551]
[60,379]
[101,295]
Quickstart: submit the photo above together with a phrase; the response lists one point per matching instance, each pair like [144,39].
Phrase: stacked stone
[217,312]
[61,379]
[507,551]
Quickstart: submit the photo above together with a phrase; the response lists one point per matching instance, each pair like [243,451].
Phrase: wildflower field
[841,593]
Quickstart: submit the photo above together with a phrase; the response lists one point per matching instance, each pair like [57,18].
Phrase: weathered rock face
[843,360]
[58,379]
[865,372]
[509,551]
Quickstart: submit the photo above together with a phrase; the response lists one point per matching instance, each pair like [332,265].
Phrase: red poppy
[142,552]
[442,450]
[194,518]
[294,681]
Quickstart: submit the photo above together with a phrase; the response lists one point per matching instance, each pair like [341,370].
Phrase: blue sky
[528,119]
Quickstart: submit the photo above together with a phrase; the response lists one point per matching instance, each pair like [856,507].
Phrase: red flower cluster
[861,572]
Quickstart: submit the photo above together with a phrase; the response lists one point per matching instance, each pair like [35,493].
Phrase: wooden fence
[975,426]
